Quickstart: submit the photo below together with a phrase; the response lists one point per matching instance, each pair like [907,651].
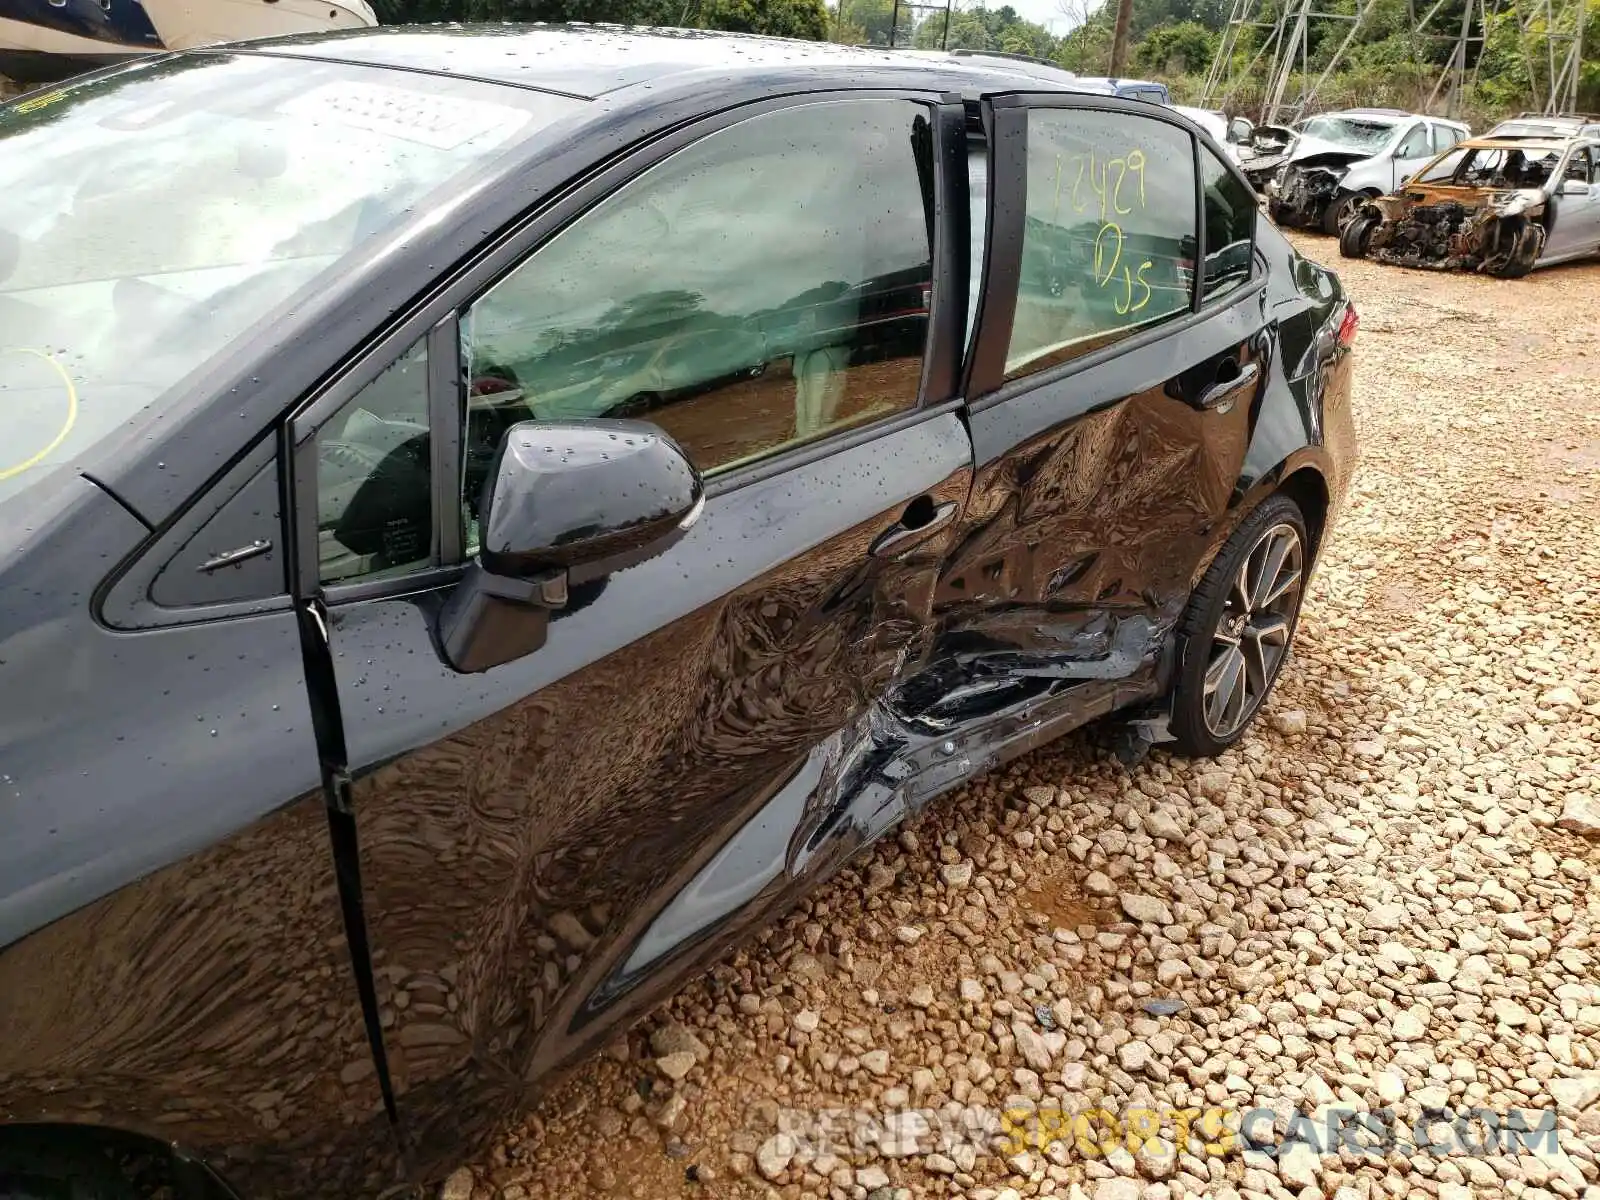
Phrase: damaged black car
[491,516]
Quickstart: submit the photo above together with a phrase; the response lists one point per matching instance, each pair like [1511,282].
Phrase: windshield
[1484,167]
[1356,133]
[150,218]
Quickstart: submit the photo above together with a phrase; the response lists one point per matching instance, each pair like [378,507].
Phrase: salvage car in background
[1548,125]
[388,711]
[1233,136]
[1499,205]
[1340,159]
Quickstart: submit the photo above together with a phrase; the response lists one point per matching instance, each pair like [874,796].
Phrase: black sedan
[489,517]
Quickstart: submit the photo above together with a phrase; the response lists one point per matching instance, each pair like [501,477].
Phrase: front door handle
[1225,391]
[920,521]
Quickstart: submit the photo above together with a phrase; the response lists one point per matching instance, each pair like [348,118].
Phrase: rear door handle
[1226,390]
[920,521]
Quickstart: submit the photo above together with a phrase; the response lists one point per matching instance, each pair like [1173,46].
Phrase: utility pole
[1119,37]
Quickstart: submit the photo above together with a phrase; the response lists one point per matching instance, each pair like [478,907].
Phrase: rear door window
[1110,233]
[1230,215]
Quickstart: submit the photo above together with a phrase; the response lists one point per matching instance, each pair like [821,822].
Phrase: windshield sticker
[68,420]
[443,122]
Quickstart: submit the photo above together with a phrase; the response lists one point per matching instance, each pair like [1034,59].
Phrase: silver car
[1340,160]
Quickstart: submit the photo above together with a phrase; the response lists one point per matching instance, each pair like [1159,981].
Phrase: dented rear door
[1110,404]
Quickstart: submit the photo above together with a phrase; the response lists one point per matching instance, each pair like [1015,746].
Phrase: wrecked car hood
[1314,152]
[1502,202]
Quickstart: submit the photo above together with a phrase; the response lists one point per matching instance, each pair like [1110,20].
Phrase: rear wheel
[1356,235]
[1235,636]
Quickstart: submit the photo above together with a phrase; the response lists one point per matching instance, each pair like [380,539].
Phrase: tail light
[1347,327]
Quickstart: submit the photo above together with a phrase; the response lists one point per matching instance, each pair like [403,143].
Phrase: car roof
[1489,142]
[590,61]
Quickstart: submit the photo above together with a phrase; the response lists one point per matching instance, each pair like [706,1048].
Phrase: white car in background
[1340,160]
[1232,135]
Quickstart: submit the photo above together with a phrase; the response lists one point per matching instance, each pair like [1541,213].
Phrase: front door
[1121,347]
[545,846]
[1412,154]
[1574,227]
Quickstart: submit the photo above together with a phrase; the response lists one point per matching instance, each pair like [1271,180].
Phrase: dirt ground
[1382,897]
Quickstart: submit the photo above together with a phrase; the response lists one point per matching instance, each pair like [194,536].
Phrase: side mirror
[1240,131]
[1573,187]
[566,504]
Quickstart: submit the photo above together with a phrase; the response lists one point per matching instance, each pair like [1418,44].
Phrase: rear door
[545,847]
[1112,392]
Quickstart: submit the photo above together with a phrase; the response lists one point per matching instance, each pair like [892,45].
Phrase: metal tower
[1282,58]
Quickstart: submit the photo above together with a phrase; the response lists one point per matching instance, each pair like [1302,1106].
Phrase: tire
[36,1164]
[1353,238]
[1530,242]
[1338,214]
[1252,635]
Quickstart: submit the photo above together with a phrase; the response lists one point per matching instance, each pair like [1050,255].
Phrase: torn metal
[1496,233]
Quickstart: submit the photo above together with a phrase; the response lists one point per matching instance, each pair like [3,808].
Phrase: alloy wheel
[1348,208]
[1251,638]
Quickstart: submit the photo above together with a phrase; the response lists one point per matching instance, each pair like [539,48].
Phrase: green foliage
[1187,46]
[781,18]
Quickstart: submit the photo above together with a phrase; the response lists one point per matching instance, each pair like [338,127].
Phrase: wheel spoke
[1270,630]
[1288,581]
[1257,667]
[1274,551]
[1223,679]
[1239,598]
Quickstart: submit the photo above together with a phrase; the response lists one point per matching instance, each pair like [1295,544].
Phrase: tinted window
[1109,241]
[1230,208]
[766,286]
[374,505]
[156,216]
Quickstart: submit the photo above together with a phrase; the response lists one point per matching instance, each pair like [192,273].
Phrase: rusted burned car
[1499,205]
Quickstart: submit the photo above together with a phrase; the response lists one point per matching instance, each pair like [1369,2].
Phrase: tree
[780,18]
[1119,37]
[1178,49]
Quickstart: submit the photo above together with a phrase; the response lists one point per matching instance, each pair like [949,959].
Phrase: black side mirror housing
[566,504]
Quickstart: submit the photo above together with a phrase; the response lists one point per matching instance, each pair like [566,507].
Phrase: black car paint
[519,859]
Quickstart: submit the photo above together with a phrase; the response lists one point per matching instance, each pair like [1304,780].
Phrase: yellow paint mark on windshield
[36,103]
[66,425]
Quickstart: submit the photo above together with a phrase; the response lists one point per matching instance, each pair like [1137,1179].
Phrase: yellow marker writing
[66,425]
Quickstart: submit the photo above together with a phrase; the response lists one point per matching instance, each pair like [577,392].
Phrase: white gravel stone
[1145,908]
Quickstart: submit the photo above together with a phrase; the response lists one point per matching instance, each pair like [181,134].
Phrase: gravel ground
[1382,897]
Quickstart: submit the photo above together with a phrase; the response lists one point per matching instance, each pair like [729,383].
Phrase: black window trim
[1005,113]
[434,314]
